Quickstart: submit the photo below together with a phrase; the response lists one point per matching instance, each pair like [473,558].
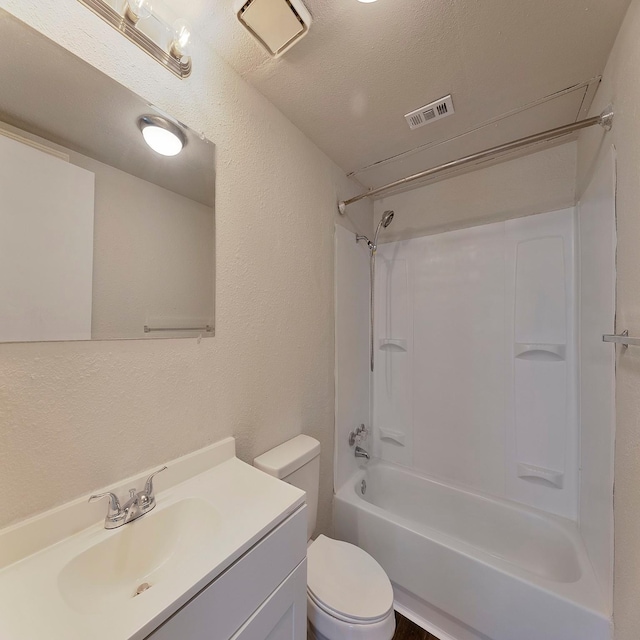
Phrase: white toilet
[349,596]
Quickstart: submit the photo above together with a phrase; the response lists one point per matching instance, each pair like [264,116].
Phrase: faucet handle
[114,503]
[148,497]
[148,485]
[358,436]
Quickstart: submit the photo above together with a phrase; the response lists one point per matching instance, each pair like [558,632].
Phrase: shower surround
[476,375]
[472,501]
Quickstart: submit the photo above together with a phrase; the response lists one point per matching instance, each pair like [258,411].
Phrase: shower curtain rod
[605,120]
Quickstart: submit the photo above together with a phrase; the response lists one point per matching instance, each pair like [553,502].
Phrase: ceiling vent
[276,24]
[430,113]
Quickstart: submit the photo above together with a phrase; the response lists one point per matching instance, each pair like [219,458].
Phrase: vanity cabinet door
[284,615]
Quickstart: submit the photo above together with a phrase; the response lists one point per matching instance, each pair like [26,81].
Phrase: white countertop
[247,504]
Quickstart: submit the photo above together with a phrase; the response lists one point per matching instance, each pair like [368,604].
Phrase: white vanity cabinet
[262,595]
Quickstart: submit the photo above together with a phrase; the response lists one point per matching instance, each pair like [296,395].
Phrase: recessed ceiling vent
[430,113]
[276,24]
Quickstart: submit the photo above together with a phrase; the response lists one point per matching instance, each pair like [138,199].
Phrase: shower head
[385,221]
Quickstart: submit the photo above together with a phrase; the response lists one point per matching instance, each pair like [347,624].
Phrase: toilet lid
[346,581]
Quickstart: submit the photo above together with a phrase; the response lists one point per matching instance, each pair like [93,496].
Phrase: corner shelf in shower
[392,436]
[539,351]
[393,344]
[549,477]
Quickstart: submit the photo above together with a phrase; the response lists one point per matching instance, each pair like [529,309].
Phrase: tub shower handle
[358,435]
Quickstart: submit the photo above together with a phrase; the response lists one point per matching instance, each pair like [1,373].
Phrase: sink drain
[142,588]
[363,487]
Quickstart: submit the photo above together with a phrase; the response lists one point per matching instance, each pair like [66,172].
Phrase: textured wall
[540,182]
[74,417]
[621,86]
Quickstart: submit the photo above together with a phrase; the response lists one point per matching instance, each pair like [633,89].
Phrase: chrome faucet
[357,437]
[362,453]
[139,503]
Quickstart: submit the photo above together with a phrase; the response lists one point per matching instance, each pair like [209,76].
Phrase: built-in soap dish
[393,344]
[392,436]
[539,351]
[541,475]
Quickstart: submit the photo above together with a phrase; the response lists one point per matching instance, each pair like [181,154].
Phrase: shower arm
[370,244]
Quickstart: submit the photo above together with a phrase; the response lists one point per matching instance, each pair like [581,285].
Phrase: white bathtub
[472,567]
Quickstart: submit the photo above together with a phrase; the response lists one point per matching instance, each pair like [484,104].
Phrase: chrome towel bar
[623,338]
[207,329]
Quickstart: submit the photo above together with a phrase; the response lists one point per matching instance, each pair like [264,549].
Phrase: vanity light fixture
[136,10]
[181,43]
[162,135]
[133,20]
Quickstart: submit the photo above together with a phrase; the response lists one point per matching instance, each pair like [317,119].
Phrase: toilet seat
[347,583]
[323,626]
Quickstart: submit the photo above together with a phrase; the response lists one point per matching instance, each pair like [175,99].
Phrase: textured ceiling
[514,67]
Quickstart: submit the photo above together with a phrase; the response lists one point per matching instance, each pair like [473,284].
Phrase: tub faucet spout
[362,453]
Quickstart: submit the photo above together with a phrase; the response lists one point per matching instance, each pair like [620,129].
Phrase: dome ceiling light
[162,135]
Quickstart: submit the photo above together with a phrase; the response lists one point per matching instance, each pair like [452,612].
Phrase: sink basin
[137,556]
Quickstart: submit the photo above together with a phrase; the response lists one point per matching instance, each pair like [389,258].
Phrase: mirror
[101,237]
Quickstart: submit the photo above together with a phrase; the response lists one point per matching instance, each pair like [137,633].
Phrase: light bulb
[136,10]
[161,135]
[182,40]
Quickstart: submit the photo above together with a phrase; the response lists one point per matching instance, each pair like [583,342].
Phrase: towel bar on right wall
[623,339]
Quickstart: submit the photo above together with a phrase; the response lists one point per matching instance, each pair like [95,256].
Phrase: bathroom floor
[407,630]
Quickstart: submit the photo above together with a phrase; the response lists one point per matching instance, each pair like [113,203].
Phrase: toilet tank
[297,462]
